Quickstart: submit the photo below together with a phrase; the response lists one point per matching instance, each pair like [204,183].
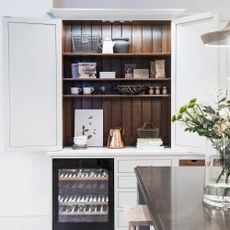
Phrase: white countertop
[127,151]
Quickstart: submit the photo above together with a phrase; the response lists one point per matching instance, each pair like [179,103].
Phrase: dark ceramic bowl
[132,89]
[121,45]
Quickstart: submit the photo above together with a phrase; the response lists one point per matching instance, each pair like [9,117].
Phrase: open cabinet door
[32,74]
[194,72]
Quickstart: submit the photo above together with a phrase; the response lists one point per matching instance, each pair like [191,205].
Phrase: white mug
[75,90]
[88,90]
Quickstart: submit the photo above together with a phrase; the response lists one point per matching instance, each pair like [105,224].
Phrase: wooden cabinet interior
[149,41]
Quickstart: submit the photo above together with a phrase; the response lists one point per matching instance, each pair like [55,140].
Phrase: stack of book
[149,143]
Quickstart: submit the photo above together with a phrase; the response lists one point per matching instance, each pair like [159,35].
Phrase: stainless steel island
[174,199]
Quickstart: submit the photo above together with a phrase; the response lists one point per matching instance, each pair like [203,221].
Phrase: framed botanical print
[89,122]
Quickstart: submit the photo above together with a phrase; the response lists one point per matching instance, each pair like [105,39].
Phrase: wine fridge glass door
[83,195]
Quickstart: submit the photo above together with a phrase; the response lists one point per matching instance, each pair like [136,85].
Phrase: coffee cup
[75,90]
[88,90]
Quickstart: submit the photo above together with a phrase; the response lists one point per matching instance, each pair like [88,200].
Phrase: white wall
[25,190]
[191,6]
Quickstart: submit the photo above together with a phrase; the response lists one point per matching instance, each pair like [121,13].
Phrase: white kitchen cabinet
[128,165]
[126,183]
[125,160]
[195,72]
[32,74]
[32,54]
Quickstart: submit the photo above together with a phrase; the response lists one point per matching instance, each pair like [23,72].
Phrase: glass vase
[217,174]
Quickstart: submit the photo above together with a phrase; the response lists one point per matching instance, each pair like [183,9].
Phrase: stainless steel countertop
[174,198]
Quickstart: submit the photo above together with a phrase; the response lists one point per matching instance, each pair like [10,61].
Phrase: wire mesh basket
[85,43]
[148,131]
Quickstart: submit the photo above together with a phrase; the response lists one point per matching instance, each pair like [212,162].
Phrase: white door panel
[33,84]
[194,72]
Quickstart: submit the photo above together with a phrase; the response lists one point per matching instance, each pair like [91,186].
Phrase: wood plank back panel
[144,37]
[107,121]
[147,39]
[156,114]
[129,113]
[126,117]
[66,38]
[146,110]
[136,116]
[166,121]
[166,38]
[116,113]
[137,39]
[116,30]
[127,33]
[157,39]
[68,122]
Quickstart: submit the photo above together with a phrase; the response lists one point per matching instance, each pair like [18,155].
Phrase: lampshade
[217,38]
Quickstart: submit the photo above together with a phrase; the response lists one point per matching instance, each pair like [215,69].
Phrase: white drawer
[121,219]
[126,198]
[127,182]
[128,166]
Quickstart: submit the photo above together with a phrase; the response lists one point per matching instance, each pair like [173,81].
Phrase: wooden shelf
[83,203]
[116,79]
[113,96]
[75,54]
[83,178]
[83,213]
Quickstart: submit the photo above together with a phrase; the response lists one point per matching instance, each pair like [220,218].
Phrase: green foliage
[205,120]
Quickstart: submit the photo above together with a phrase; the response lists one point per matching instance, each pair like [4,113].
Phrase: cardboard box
[107,74]
[141,73]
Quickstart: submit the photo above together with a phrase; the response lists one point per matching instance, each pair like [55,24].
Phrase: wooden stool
[137,215]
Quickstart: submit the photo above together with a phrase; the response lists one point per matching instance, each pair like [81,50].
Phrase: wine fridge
[83,195]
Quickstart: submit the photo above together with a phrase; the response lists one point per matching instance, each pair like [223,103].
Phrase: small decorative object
[85,43]
[132,89]
[160,68]
[149,143]
[151,90]
[164,90]
[106,45]
[157,90]
[144,73]
[140,73]
[136,73]
[74,70]
[121,45]
[87,69]
[75,90]
[88,90]
[152,69]
[102,89]
[214,124]
[148,131]
[107,74]
[129,70]
[115,139]
[89,122]
[80,142]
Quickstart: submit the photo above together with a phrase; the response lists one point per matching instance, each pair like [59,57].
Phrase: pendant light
[217,38]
